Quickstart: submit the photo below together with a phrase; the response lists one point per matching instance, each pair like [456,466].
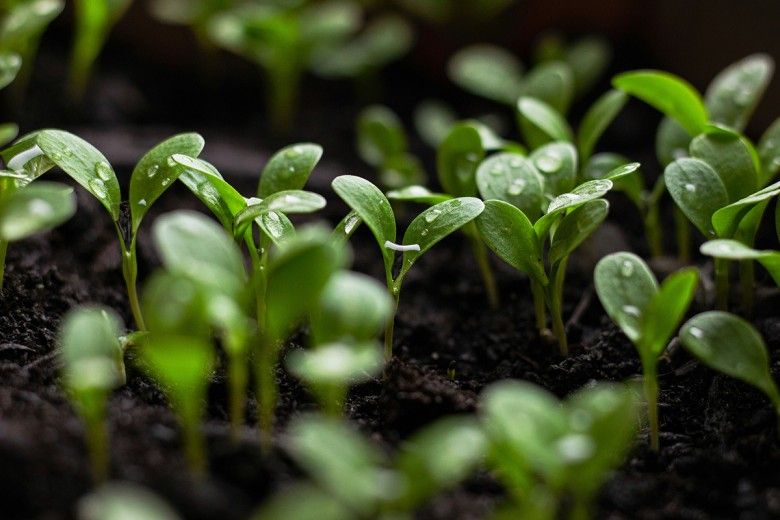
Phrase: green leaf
[458,158]
[666,310]
[733,95]
[154,173]
[10,63]
[433,120]
[588,59]
[435,223]
[176,304]
[733,250]
[373,208]
[510,235]
[487,71]
[303,502]
[727,219]
[697,190]
[8,132]
[276,226]
[419,194]
[512,178]
[288,201]
[576,227]
[730,157]
[380,135]
[626,176]
[36,207]
[194,246]
[85,164]
[769,152]
[26,21]
[587,191]
[729,344]
[552,83]
[596,120]
[670,94]
[626,287]
[122,500]
[671,141]
[361,317]
[557,164]
[402,170]
[336,363]
[297,274]
[289,168]
[540,123]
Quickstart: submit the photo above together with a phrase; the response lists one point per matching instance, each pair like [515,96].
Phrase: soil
[719,454]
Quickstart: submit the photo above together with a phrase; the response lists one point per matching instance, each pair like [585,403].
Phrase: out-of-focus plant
[93,366]
[122,501]
[352,478]
[94,20]
[553,457]
[648,314]
[449,11]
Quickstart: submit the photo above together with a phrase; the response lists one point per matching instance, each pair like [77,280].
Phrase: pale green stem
[396,293]
[683,234]
[650,383]
[555,290]
[653,232]
[237,381]
[194,448]
[483,262]
[130,274]
[97,445]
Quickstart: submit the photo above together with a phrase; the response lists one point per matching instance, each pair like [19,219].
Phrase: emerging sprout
[92,368]
[369,205]
[732,346]
[548,453]
[648,314]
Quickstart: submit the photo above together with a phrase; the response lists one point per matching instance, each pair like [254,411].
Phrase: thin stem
[556,305]
[650,383]
[540,308]
[683,234]
[130,274]
[3,251]
[396,293]
[747,286]
[283,85]
[483,262]
[194,450]
[579,510]
[721,283]
[265,361]
[652,224]
[237,381]
[97,444]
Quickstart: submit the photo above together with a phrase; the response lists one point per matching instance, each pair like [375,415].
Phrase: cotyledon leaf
[35,208]
[726,220]
[697,190]
[734,250]
[289,168]
[734,93]
[512,178]
[588,190]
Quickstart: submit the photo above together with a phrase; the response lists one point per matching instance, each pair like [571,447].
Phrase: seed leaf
[303,502]
[540,123]
[380,135]
[672,95]
[372,207]
[666,310]
[588,59]
[154,174]
[576,227]
[730,157]
[276,226]
[557,164]
[671,141]
[85,164]
[626,287]
[36,207]
[419,194]
[552,83]
[587,191]
[512,178]
[733,95]
[769,152]
[487,71]
[509,234]
[733,250]
[91,353]
[596,120]
[288,201]
[697,190]
[457,159]
[8,132]
[115,501]
[289,169]
[435,223]
[729,344]
[10,63]
[433,120]
[727,219]
[176,304]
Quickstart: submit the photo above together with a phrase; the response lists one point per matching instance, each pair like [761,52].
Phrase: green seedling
[369,205]
[733,250]
[36,153]
[514,227]
[344,349]
[731,345]
[94,20]
[549,453]
[93,366]
[23,23]
[120,501]
[353,479]
[648,314]
[433,121]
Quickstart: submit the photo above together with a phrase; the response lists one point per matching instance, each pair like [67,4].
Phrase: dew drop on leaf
[432,215]
[152,171]
[98,188]
[424,232]
[690,187]
[575,447]
[103,170]
[627,269]
[631,310]
[549,162]
[40,208]
[350,224]
[142,202]
[696,332]
[517,187]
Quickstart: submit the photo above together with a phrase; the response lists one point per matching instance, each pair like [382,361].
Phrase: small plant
[553,457]
[648,314]
[730,345]
[369,205]
[344,349]
[93,366]
[733,250]
[117,501]
[520,241]
[353,479]
[94,20]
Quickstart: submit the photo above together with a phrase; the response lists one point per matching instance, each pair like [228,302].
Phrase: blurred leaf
[733,250]
[576,227]
[123,501]
[596,120]
[557,164]
[457,159]
[487,71]
[552,83]
[734,94]
[540,123]
[514,179]
[35,208]
[433,121]
[380,135]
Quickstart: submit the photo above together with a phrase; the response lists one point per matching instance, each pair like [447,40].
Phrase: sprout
[732,346]
[94,20]
[92,367]
[546,452]
[648,314]
[369,205]
[120,501]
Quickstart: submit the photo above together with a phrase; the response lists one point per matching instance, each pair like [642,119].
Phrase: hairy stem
[683,234]
[483,262]
[650,383]
[721,283]
[747,286]
[3,251]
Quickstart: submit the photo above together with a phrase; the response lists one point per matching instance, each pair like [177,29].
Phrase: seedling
[118,501]
[370,205]
[546,452]
[520,241]
[648,314]
[733,250]
[34,154]
[731,345]
[94,20]
[355,480]
[344,349]
[92,367]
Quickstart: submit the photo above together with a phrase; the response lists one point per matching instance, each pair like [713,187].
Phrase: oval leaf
[557,164]
[380,135]
[731,157]
[576,227]
[540,123]
[487,71]
[457,159]
[552,83]
[37,207]
[733,250]
[288,201]
[734,93]
[289,169]
[697,190]
[661,318]
[512,178]
[596,120]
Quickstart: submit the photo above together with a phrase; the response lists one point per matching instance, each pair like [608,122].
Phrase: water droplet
[432,215]
[575,447]
[455,203]
[166,181]
[350,224]
[631,310]
[292,199]
[515,162]
[142,202]
[292,153]
[40,208]
[549,162]
[743,96]
[273,224]
[517,187]
[690,187]
[291,169]
[472,157]
[696,332]
[627,269]
[424,232]
[152,171]
[98,188]
[55,156]
[104,171]
[680,153]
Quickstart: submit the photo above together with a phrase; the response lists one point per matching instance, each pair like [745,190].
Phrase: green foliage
[566,448]
[648,314]
[93,366]
[734,250]
[487,71]
[33,209]
[730,345]
[118,501]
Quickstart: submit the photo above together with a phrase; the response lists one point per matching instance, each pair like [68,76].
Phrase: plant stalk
[540,308]
[721,283]
[237,381]
[683,234]
[652,224]
[483,262]
[556,305]
[194,449]
[97,444]
[391,324]
[650,384]
[130,274]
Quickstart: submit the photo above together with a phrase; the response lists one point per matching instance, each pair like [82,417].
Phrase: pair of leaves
[648,314]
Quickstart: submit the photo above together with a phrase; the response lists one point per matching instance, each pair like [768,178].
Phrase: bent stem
[483,262]
[721,283]
[650,383]
[3,251]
